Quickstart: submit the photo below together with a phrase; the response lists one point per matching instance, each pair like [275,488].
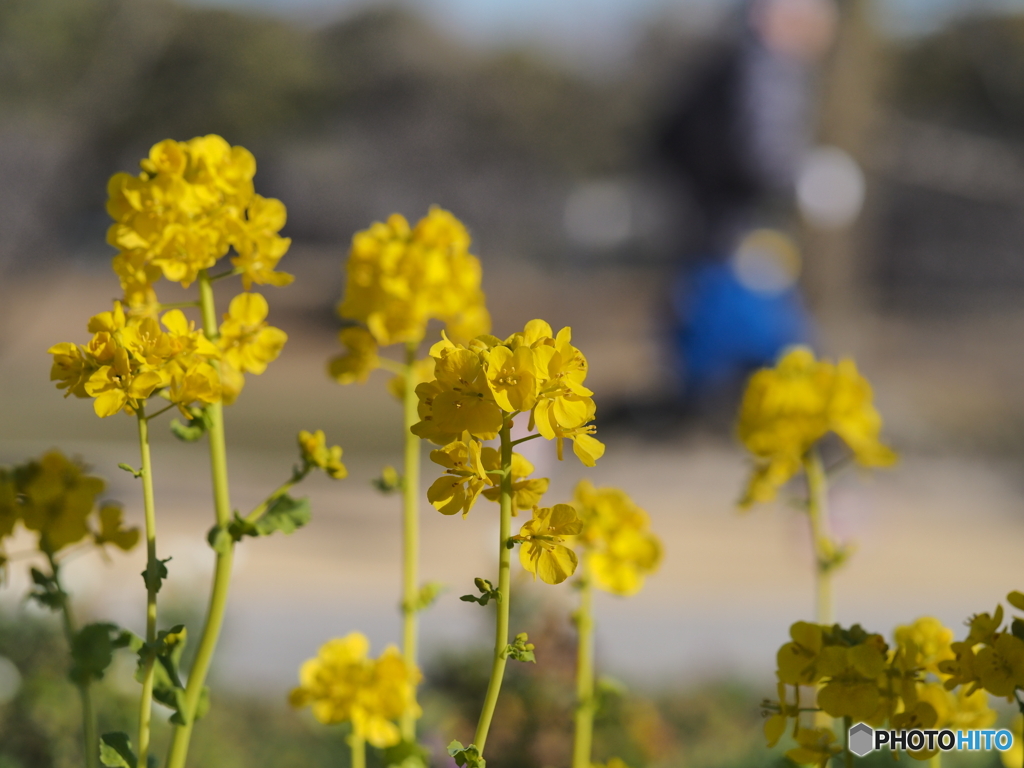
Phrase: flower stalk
[585,703]
[410,530]
[817,512]
[152,585]
[90,735]
[357,743]
[504,588]
[225,555]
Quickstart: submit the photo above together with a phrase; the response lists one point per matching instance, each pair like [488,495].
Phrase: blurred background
[691,185]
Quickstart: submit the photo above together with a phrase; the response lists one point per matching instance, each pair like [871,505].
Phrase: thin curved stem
[504,590]
[410,529]
[225,556]
[152,582]
[817,512]
[585,705]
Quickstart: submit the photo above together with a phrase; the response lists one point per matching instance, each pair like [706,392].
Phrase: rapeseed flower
[617,542]
[129,358]
[342,684]
[247,343]
[54,497]
[543,551]
[315,453]
[192,202]
[789,408]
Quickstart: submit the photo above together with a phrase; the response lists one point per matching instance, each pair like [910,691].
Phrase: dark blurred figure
[734,141]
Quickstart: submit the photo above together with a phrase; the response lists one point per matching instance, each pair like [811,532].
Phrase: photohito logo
[865,739]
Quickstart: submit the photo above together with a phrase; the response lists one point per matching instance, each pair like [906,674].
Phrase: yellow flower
[112,529]
[619,547]
[399,278]
[315,453]
[526,491]
[817,747]
[542,552]
[788,408]
[192,202]
[475,385]
[130,357]
[797,660]
[927,642]
[343,685]
[1000,666]
[852,688]
[464,478]
[360,358]
[248,344]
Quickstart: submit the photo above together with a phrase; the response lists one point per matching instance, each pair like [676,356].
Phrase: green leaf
[116,751]
[406,754]
[1016,599]
[466,757]
[159,575]
[285,514]
[193,429]
[168,689]
[47,591]
[220,539]
[92,650]
[130,469]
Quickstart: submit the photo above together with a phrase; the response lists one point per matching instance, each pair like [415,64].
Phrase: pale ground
[938,535]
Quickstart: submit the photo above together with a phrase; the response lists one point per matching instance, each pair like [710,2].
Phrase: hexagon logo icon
[862,739]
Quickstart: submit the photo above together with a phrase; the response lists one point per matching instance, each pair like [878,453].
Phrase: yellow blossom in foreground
[788,408]
[534,370]
[129,358]
[315,453]
[817,747]
[192,202]
[619,547]
[343,685]
[248,344]
[542,551]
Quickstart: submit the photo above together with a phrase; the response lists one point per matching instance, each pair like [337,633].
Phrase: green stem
[504,588]
[225,557]
[935,761]
[152,580]
[410,529]
[89,732]
[357,743]
[817,512]
[585,704]
[282,489]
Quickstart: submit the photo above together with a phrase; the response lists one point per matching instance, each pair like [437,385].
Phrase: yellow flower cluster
[193,201]
[788,408]
[533,371]
[401,277]
[858,675]
[54,497]
[617,542]
[991,657]
[342,684]
[315,453]
[131,357]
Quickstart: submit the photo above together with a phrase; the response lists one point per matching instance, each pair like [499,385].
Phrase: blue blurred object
[723,329]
